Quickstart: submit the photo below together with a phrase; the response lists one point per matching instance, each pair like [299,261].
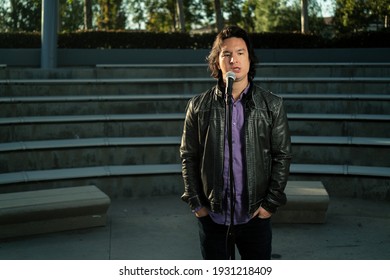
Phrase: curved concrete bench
[307,202]
[90,118]
[100,81]
[169,97]
[51,210]
[173,116]
[152,169]
[174,140]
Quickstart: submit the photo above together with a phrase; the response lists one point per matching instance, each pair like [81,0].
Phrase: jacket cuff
[272,208]
[193,202]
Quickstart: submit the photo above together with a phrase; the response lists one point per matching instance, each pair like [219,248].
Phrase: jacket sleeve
[281,158]
[189,153]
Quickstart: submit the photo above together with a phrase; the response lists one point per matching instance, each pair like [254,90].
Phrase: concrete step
[142,125]
[357,85]
[338,155]
[71,153]
[174,103]
[262,70]
[72,157]
[340,69]
[89,126]
[343,69]
[149,180]
[83,105]
[337,103]
[95,86]
[188,85]
[353,125]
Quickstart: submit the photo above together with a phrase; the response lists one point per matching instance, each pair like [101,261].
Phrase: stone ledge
[307,202]
[51,210]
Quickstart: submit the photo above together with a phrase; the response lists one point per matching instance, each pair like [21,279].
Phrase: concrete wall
[91,57]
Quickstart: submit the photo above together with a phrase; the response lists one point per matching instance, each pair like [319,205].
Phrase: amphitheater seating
[119,126]
[100,171]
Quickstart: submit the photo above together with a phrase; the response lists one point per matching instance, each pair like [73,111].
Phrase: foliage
[285,16]
[248,11]
[110,16]
[20,15]
[20,40]
[364,39]
[200,15]
[273,15]
[179,40]
[352,15]
[71,12]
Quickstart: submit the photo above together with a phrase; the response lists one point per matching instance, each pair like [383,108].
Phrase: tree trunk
[304,17]
[180,10]
[88,14]
[218,15]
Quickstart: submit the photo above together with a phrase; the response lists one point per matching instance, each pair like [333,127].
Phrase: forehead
[233,43]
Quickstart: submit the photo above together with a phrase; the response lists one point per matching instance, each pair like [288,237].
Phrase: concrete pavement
[163,228]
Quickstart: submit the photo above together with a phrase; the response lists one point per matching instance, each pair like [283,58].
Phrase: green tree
[208,13]
[195,14]
[352,15]
[380,12]
[138,12]
[276,16]
[3,16]
[232,8]
[316,20]
[26,15]
[111,16]
[285,16]
[248,15]
[71,15]
[19,15]
[161,15]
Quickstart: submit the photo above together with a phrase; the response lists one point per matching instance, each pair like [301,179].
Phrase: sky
[326,6]
[327,9]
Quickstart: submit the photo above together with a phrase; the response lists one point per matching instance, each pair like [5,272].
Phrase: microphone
[230,78]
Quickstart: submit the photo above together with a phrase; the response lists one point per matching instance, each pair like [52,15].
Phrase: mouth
[236,69]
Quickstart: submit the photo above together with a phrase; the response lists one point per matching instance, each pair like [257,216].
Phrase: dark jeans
[253,239]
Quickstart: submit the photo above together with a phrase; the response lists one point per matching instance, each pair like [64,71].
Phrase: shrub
[152,40]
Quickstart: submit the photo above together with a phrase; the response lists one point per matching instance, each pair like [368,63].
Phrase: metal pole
[49,27]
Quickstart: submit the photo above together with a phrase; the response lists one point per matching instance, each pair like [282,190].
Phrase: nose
[232,59]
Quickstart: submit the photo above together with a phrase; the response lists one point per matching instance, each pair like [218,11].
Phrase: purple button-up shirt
[238,144]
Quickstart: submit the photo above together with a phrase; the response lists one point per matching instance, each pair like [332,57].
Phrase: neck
[238,88]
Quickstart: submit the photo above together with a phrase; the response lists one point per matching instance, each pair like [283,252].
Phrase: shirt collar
[244,92]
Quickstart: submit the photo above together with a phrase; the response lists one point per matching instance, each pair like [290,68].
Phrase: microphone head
[230,75]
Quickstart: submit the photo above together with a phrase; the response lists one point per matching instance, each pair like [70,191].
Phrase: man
[261,154]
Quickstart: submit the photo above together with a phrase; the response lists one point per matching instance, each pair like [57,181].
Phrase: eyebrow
[239,50]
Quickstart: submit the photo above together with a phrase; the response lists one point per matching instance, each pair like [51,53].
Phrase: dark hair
[229,32]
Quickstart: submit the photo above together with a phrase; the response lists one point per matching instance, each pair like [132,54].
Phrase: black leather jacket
[267,150]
